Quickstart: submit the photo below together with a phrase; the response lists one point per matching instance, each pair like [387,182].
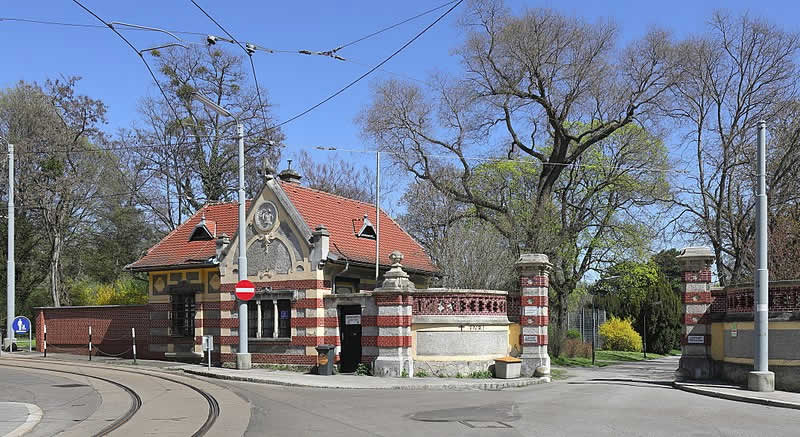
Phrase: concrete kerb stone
[702,390]
[411,385]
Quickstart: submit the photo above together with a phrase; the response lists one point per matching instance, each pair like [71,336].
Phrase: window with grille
[183,315]
[268,318]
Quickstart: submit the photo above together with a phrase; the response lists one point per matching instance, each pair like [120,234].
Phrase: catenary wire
[422,14]
[138,52]
[370,71]
[252,64]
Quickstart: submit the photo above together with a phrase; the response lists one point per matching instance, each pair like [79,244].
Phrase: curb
[450,387]
[735,397]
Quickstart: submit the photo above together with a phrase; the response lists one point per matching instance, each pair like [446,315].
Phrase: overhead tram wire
[371,70]
[421,14]
[249,50]
[138,52]
[89,26]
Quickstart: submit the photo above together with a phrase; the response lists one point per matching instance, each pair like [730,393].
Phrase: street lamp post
[8,342]
[243,356]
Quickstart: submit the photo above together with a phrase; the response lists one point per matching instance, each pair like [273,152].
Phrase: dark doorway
[350,336]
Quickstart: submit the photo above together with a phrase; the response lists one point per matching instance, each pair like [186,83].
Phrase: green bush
[421,374]
[363,370]
[573,334]
[619,335]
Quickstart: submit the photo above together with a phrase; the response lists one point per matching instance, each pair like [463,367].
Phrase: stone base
[243,361]
[451,368]
[7,343]
[761,381]
[393,367]
[694,369]
[533,363]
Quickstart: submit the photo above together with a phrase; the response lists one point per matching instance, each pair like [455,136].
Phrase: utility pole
[761,379]
[244,361]
[377,216]
[11,270]
[242,356]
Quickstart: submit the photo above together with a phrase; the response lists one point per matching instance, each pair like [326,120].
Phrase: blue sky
[113,73]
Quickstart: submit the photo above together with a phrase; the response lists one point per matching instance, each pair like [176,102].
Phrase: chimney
[290,176]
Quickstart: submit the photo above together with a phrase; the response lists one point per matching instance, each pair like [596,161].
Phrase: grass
[603,358]
[22,344]
[558,374]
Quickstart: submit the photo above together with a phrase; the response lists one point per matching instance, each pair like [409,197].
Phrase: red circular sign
[245,290]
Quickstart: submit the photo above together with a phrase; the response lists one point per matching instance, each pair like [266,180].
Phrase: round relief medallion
[266,216]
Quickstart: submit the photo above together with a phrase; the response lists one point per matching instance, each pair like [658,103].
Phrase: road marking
[34,417]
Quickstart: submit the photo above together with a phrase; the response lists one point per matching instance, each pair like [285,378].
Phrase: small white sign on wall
[352,319]
[530,339]
[530,311]
[696,339]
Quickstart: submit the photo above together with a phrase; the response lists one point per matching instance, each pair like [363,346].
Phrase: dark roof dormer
[206,230]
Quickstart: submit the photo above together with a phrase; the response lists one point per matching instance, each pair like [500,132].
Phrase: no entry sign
[245,290]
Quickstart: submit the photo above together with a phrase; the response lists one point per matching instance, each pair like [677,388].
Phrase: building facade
[311,256]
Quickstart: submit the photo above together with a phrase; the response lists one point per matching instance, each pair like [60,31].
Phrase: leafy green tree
[662,308]
[669,265]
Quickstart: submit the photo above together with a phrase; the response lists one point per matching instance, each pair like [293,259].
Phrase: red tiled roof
[175,249]
[316,207]
[337,214]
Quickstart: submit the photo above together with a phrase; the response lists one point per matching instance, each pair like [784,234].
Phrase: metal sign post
[133,335]
[208,347]
[20,325]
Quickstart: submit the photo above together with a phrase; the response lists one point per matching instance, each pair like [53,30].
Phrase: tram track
[136,400]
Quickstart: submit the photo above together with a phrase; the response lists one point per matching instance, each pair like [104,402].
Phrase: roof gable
[337,213]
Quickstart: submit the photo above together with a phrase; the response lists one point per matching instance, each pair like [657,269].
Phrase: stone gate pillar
[696,297]
[534,282]
[394,301]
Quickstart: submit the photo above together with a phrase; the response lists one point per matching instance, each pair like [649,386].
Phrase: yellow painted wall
[719,330]
[514,347]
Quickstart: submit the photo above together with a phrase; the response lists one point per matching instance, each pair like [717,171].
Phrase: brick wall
[68,329]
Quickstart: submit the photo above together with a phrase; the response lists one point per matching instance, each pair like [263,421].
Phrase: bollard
[45,341]
[133,334]
[90,342]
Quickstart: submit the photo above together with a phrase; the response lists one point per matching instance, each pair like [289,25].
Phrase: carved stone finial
[396,278]
[396,257]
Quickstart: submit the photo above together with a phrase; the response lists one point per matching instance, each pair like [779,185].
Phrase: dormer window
[367,230]
[206,230]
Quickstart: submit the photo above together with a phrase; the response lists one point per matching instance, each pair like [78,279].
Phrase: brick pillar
[40,330]
[696,297]
[394,300]
[534,283]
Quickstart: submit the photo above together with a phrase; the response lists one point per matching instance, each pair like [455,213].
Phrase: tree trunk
[55,270]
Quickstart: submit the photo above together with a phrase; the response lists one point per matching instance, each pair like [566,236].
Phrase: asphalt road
[629,400]
[82,399]
[64,401]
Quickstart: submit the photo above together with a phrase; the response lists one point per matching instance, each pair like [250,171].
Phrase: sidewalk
[782,399]
[297,379]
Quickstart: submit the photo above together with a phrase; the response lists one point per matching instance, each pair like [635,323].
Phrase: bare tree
[545,87]
[338,176]
[742,71]
[188,153]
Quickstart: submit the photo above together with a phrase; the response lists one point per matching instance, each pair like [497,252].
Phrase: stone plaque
[265,216]
[530,311]
[696,339]
[530,339]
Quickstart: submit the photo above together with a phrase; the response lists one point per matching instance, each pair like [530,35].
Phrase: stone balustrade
[460,302]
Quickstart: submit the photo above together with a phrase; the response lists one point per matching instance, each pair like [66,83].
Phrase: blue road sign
[21,325]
